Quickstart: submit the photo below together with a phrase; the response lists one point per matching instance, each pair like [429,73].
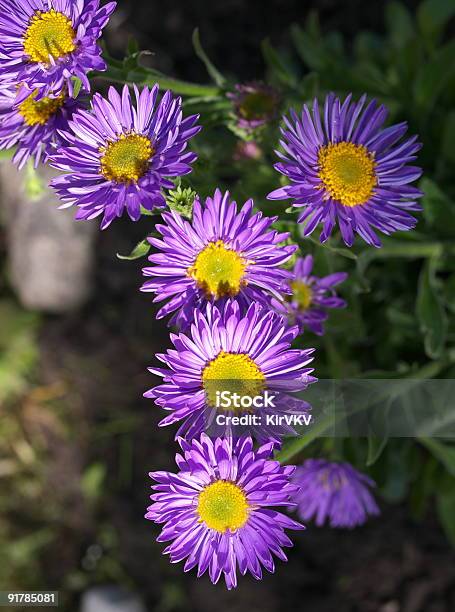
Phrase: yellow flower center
[126,159]
[233,372]
[302,294]
[223,505]
[40,112]
[347,171]
[49,34]
[219,271]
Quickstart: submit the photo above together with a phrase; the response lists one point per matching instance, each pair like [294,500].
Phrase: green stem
[144,76]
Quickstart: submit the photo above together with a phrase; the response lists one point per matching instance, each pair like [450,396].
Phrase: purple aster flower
[226,351]
[33,126]
[333,491]
[120,156]
[224,253]
[46,42]
[255,104]
[218,510]
[346,167]
[312,296]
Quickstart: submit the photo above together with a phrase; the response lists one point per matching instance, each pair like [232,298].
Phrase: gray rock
[110,599]
[50,255]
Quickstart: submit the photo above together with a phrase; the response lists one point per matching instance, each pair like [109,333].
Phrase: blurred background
[76,336]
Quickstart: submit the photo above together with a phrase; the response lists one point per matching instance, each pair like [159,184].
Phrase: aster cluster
[218,269]
[218,274]
[115,154]
[237,310]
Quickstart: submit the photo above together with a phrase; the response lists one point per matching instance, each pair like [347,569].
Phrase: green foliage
[401,296]
[431,313]
[445,503]
[18,350]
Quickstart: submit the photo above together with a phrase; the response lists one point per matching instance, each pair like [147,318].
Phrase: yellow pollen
[233,372]
[126,159]
[347,171]
[223,505]
[40,112]
[219,271]
[49,34]
[302,294]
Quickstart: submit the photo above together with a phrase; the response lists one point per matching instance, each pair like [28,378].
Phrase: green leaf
[445,504]
[448,141]
[150,77]
[433,16]
[310,45]
[423,488]
[140,250]
[312,25]
[438,208]
[133,46]
[214,73]
[77,86]
[399,24]
[397,472]
[278,65]
[445,453]
[430,312]
[176,85]
[378,432]
[433,78]
[376,444]
[449,292]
